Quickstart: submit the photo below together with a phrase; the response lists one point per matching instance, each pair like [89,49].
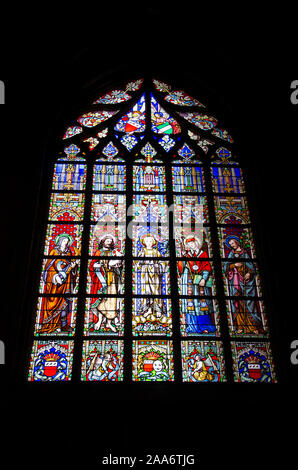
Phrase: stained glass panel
[153,361]
[67,207]
[70,176]
[63,238]
[104,316]
[182,99]
[149,178]
[202,142]
[109,208]
[134,85]
[241,278]
[151,277]
[94,118]
[246,318]
[107,240]
[187,179]
[237,239]
[119,96]
[252,362]
[222,134]
[190,209]
[51,361]
[200,120]
[190,242]
[186,152]
[166,142]
[162,122]
[59,275]
[161,86]
[107,159]
[93,142]
[105,277]
[102,360]
[56,316]
[196,277]
[223,156]
[199,316]
[109,178]
[129,141]
[113,97]
[110,150]
[71,154]
[71,131]
[227,180]
[151,316]
[177,97]
[134,120]
[203,361]
[231,210]
[150,208]
[149,152]
[150,241]
[186,161]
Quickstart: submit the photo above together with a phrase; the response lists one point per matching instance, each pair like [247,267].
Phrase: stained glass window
[149,269]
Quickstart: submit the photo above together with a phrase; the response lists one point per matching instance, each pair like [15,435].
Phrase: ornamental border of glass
[163,302]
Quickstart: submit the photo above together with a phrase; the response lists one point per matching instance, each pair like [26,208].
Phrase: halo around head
[64,235]
[148,235]
[232,237]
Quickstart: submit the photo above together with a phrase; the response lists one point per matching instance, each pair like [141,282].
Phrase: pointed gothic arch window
[149,269]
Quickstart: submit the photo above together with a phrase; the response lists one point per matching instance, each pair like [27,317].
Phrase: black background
[245,60]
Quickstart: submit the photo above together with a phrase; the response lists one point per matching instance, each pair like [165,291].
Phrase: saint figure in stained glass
[151,273]
[241,281]
[105,279]
[59,277]
[196,279]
